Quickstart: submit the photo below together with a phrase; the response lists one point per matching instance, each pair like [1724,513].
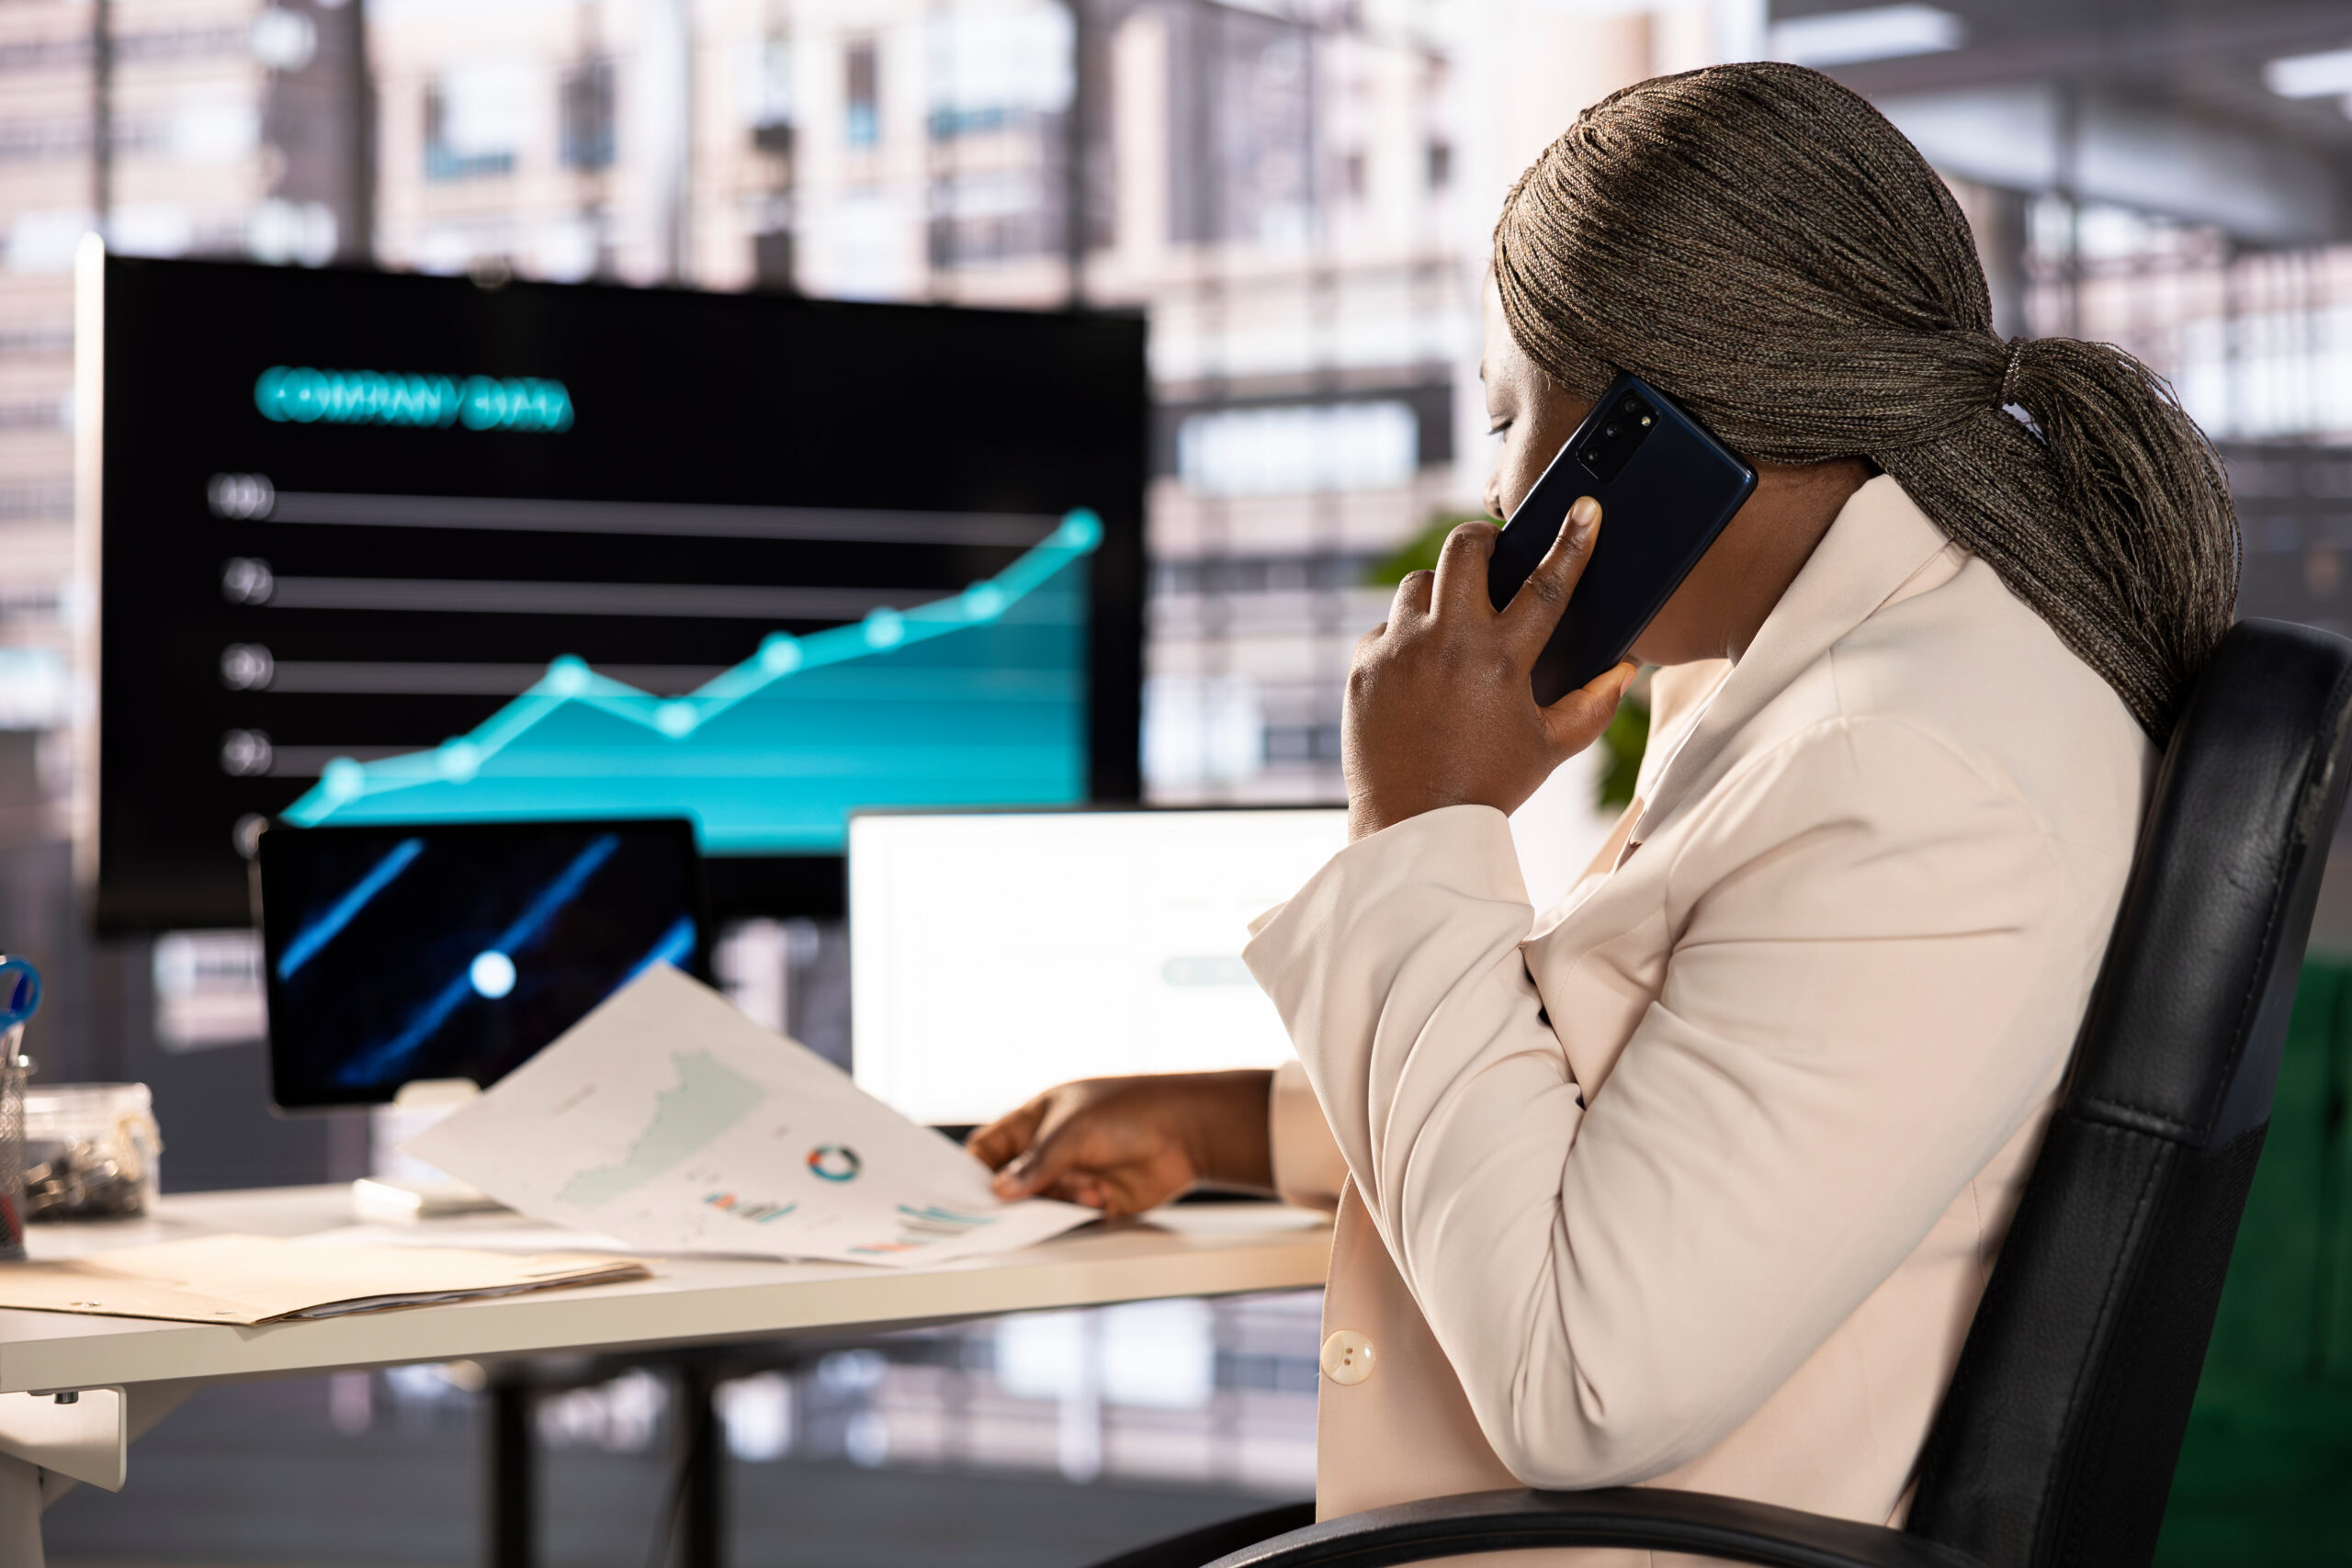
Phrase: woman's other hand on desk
[1126,1144]
[1440,710]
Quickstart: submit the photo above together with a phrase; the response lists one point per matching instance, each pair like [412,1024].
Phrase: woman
[1696,1179]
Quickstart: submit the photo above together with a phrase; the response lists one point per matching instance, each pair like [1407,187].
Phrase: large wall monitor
[384,548]
[995,954]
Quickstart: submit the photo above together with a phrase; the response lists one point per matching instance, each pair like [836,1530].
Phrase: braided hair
[1760,243]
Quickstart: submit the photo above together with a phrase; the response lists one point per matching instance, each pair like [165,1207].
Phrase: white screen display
[993,955]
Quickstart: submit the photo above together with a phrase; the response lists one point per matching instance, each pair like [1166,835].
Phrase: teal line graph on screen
[976,699]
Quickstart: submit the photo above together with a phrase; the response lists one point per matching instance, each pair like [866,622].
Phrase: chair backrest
[2057,1440]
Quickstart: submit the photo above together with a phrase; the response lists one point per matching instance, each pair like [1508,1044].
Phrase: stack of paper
[669,1120]
[259,1279]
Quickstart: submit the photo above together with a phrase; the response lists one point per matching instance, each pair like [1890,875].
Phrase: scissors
[19,999]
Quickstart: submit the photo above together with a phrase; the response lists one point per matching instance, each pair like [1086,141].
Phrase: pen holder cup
[13,1072]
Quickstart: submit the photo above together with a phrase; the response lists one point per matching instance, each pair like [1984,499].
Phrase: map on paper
[669,1120]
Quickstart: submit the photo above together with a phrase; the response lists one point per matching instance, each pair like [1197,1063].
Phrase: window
[585,105]
[1440,163]
[769,95]
[996,68]
[864,126]
[1299,449]
[477,115]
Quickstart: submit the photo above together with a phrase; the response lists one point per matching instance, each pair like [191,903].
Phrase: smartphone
[1666,488]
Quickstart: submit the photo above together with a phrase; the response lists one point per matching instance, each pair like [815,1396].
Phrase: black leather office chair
[2056,1442]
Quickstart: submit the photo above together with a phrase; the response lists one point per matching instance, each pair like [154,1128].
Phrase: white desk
[128,1372]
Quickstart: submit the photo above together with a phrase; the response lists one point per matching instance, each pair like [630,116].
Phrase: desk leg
[511,1466]
[20,1506]
[702,1527]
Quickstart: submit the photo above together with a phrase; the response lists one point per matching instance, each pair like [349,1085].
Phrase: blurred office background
[1298,193]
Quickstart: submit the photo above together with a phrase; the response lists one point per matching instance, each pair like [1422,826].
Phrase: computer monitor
[457,950]
[995,954]
[374,548]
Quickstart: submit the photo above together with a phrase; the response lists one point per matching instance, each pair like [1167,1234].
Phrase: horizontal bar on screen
[310,762]
[341,677]
[712,601]
[676,519]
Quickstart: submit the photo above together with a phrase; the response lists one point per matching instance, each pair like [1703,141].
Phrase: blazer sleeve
[1309,1171]
[1865,998]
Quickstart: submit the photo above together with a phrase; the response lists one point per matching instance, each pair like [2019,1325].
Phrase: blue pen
[19,999]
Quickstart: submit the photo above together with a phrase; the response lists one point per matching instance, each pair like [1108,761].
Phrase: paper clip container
[19,996]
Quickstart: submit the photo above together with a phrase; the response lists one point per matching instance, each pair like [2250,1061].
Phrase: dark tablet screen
[456,950]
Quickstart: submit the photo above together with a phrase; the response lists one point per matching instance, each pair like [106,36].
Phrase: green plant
[1419,552]
[1622,742]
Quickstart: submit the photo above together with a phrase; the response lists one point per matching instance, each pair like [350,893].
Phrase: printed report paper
[253,1279]
[669,1120]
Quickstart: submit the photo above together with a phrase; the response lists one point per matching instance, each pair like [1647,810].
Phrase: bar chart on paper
[723,1138]
[708,1097]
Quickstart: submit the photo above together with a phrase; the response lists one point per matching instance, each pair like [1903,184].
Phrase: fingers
[1007,1135]
[1084,1190]
[1056,1168]
[1412,599]
[1039,1166]
[1117,1193]
[1461,585]
[1576,720]
[1091,1191]
[1535,609]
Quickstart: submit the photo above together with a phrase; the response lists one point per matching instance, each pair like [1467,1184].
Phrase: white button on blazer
[1348,1358]
[1696,1179]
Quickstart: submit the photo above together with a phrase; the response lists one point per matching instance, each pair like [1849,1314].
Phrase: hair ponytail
[1763,244]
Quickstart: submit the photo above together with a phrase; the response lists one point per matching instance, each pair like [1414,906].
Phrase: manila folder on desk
[261,1278]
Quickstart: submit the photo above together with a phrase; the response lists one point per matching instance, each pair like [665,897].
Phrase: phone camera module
[1616,435]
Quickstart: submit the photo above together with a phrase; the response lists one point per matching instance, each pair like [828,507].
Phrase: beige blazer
[1695,1180]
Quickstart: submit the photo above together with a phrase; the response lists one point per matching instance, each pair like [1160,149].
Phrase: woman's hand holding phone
[1439,711]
